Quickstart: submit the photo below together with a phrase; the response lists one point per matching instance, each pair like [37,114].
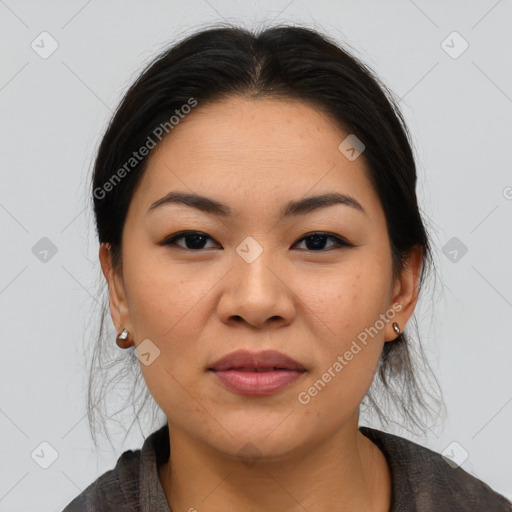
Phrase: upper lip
[265,360]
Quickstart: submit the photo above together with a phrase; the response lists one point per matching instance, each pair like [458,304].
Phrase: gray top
[422,480]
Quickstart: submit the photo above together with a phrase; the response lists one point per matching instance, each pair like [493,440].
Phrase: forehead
[266,150]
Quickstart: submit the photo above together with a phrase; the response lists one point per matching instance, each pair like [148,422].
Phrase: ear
[118,304]
[405,291]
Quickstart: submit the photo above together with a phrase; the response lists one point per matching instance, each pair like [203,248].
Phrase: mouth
[256,374]
[248,369]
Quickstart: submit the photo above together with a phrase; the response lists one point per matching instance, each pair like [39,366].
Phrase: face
[309,284]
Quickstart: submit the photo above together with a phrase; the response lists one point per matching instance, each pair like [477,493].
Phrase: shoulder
[115,490]
[424,478]
[132,484]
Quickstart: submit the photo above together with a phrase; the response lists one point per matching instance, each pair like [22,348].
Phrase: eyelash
[169,241]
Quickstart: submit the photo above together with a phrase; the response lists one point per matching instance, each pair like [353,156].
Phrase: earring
[122,340]
[396,328]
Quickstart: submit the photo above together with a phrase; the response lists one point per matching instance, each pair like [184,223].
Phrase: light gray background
[53,112]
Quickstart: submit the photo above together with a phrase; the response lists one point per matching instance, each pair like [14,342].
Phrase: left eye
[317,241]
[195,240]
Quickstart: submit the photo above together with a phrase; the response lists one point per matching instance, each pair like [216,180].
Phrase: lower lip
[257,383]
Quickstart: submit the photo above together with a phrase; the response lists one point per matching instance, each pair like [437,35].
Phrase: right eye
[194,240]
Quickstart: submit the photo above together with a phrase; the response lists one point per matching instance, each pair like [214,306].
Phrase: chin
[257,440]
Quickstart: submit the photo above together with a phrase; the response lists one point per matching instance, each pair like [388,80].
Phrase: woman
[262,243]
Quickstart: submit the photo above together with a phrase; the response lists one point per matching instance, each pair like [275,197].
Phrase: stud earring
[396,328]
[122,340]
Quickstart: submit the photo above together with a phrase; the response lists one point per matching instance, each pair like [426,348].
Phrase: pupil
[196,241]
[318,241]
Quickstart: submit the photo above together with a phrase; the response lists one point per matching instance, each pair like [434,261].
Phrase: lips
[266,361]
[257,374]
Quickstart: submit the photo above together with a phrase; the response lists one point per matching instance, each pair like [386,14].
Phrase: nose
[258,293]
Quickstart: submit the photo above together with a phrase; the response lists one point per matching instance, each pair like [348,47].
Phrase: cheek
[351,300]
[170,304]
[165,299]
[165,303]
[349,308]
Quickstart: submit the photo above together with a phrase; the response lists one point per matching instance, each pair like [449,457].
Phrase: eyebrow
[290,209]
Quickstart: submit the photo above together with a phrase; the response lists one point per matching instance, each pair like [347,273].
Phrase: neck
[344,472]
